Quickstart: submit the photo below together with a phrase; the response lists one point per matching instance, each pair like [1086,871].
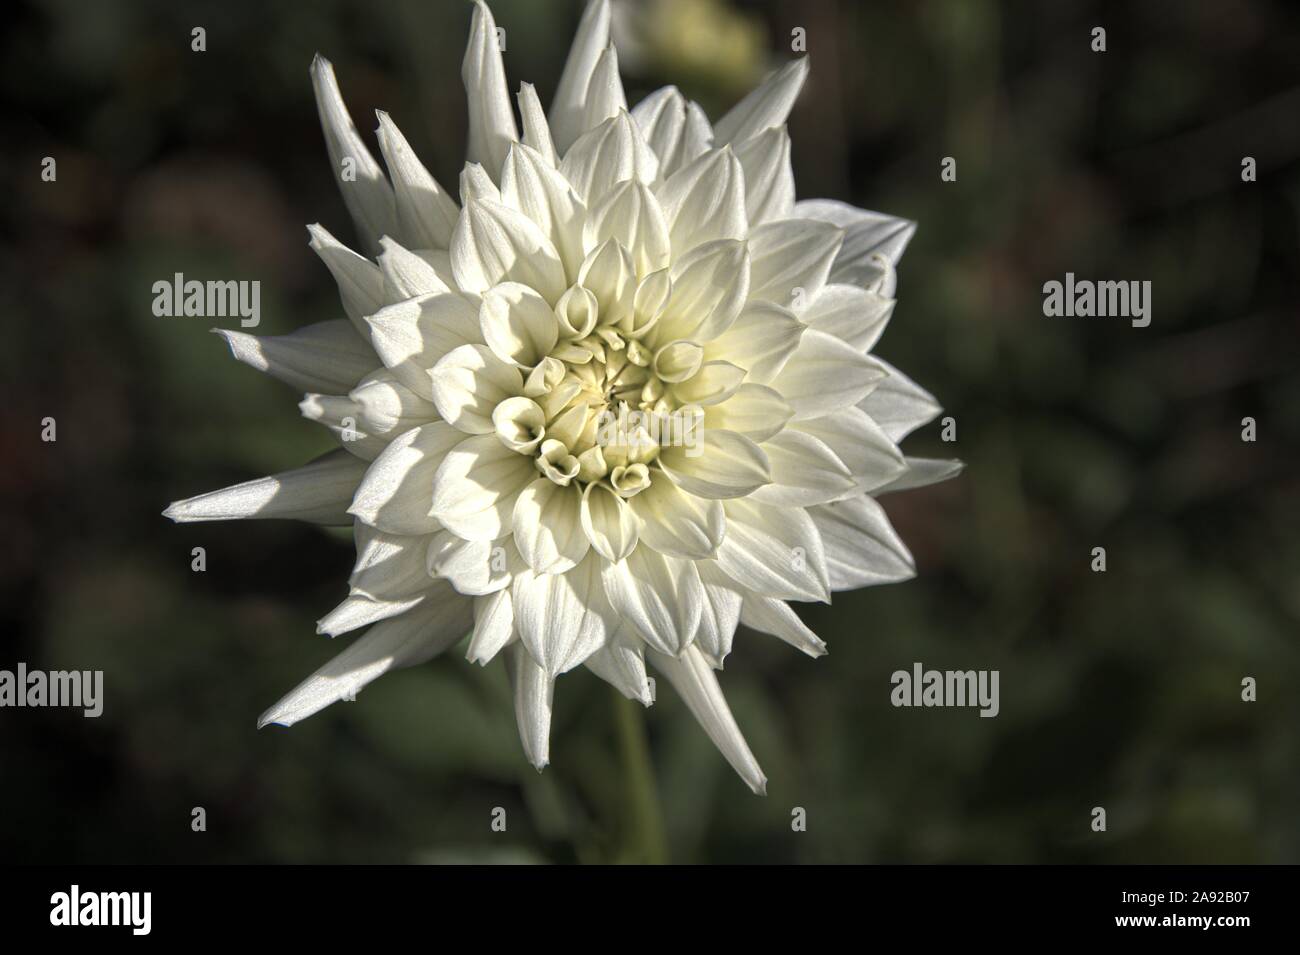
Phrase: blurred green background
[1119,689]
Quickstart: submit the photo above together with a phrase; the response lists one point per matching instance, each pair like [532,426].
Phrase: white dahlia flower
[614,403]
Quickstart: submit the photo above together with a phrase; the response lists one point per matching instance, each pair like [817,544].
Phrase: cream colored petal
[609,522]
[769,178]
[631,215]
[537,132]
[493,243]
[518,325]
[494,627]
[727,465]
[774,551]
[605,156]
[705,201]
[562,619]
[547,525]
[533,186]
[589,44]
[852,314]
[468,383]
[660,596]
[426,214]
[318,492]
[491,117]
[761,340]
[867,451]
[395,494]
[327,358]
[361,284]
[768,105]
[778,618]
[899,405]
[412,336]
[388,566]
[824,374]
[862,548]
[676,523]
[756,411]
[790,260]
[534,693]
[805,471]
[709,287]
[475,488]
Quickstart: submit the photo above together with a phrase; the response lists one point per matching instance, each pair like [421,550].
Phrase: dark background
[1119,689]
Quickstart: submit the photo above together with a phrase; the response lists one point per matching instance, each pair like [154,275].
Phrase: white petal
[761,340]
[722,465]
[389,566]
[395,495]
[660,596]
[631,215]
[899,405]
[866,234]
[605,156]
[852,314]
[605,96]
[342,416]
[768,105]
[361,284]
[861,547]
[779,619]
[412,638]
[804,471]
[473,567]
[716,381]
[534,692]
[705,201]
[709,288]
[559,616]
[589,44]
[824,374]
[533,186]
[537,132]
[518,325]
[756,411]
[475,489]
[412,336]
[697,138]
[608,522]
[661,117]
[475,183]
[366,192]
[494,243]
[922,472]
[790,259]
[494,626]
[774,551]
[769,179]
[721,612]
[409,274]
[676,523]
[426,214]
[358,611]
[328,357]
[468,383]
[318,492]
[694,680]
[868,452]
[547,525]
[386,407]
[491,117]
[621,664]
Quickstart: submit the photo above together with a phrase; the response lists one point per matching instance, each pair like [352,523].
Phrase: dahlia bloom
[612,404]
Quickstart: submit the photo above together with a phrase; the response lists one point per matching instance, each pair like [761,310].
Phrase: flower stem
[644,836]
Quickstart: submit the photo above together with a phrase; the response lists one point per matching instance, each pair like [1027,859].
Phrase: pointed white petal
[755,411]
[774,551]
[589,43]
[494,243]
[605,96]
[534,694]
[358,611]
[709,287]
[608,522]
[720,614]
[761,340]
[851,314]
[473,567]
[694,680]
[519,327]
[411,337]
[318,492]
[389,566]
[410,274]
[660,596]
[533,186]
[769,178]
[366,192]
[868,452]
[676,523]
[547,526]
[491,118]
[494,626]
[722,465]
[621,664]
[341,415]
[475,488]
[862,548]
[537,132]
[395,494]
[661,117]
[779,619]
[768,105]
[866,234]
[790,259]
[899,405]
[386,407]
[413,638]
[468,383]
[705,201]
[631,215]
[605,156]
[328,357]
[804,471]
[562,618]
[361,284]
[824,374]
[922,472]
[426,214]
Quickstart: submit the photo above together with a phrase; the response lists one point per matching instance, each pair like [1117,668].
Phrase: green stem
[644,837]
